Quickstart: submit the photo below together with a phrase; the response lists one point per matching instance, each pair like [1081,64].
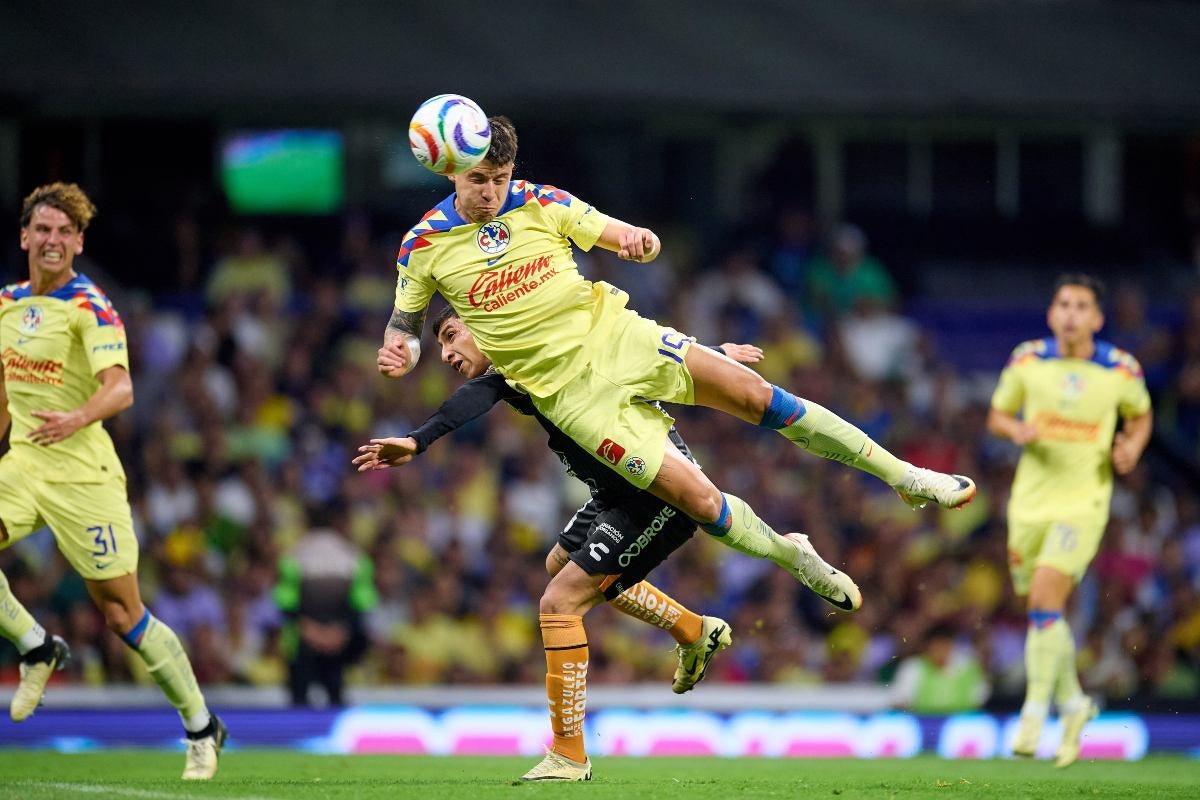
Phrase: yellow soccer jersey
[52,346]
[513,280]
[1067,470]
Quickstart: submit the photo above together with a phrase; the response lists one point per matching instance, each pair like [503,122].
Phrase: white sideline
[118,791]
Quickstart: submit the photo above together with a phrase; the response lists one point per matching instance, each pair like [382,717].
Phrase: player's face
[1074,315]
[482,191]
[52,241]
[459,349]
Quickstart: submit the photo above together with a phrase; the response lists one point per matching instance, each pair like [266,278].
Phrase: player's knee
[117,617]
[702,503]
[757,397]
[566,596]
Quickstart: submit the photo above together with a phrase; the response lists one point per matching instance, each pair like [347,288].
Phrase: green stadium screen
[283,171]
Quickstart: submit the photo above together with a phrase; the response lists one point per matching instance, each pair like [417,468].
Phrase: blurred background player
[609,545]
[66,368]
[1059,399]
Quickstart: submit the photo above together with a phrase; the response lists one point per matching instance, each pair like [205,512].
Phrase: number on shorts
[594,546]
[105,540]
[674,345]
[1067,537]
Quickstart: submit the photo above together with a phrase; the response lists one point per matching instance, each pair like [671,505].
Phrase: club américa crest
[493,237]
[31,320]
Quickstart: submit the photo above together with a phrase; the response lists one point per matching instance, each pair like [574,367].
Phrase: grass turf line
[284,775]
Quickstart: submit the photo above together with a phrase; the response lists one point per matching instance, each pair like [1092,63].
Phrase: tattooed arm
[401,343]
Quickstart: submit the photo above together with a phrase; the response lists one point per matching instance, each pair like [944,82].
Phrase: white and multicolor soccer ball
[449,134]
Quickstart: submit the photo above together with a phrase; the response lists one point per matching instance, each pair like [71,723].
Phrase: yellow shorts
[604,408]
[1068,547]
[91,522]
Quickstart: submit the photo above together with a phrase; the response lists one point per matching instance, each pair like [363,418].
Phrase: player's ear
[79,245]
[1099,322]
[24,238]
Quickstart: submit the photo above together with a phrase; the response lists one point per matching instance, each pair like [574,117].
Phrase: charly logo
[610,451]
[635,466]
[493,237]
[31,320]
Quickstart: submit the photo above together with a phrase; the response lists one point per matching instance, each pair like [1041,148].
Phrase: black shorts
[625,540]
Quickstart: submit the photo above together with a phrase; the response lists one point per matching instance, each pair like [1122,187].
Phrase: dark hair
[503,149]
[66,197]
[1081,279]
[441,318]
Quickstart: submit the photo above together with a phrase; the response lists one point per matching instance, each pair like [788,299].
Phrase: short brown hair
[503,149]
[66,197]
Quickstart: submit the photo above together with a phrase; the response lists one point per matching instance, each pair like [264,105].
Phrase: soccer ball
[449,134]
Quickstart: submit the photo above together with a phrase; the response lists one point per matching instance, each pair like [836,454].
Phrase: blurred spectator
[325,587]
[945,678]
[847,276]
[249,270]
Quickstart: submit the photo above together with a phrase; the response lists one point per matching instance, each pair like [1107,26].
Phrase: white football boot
[921,485]
[824,579]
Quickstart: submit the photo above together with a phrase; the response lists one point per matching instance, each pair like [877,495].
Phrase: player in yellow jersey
[1059,398]
[499,251]
[66,368]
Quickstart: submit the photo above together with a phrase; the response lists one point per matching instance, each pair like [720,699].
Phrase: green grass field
[279,775]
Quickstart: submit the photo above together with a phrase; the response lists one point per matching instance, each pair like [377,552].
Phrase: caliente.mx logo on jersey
[493,237]
[31,320]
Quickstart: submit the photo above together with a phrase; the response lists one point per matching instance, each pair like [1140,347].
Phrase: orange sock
[566,681]
[647,602]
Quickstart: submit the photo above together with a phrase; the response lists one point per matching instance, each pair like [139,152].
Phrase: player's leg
[1047,645]
[624,544]
[120,601]
[1065,555]
[570,594]
[733,522]
[725,385]
[93,526]
[41,653]
[602,410]
[599,537]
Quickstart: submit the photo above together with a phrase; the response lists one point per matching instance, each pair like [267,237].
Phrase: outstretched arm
[471,400]
[741,353]
[401,343]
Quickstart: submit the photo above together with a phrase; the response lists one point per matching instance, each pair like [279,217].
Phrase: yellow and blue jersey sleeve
[101,331]
[1009,396]
[1134,399]
[578,221]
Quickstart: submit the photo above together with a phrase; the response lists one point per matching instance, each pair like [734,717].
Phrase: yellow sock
[750,535]
[825,434]
[566,681]
[1067,691]
[160,649]
[17,624]
[1045,644]
[647,602]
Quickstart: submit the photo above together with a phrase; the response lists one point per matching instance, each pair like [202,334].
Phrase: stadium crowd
[255,383]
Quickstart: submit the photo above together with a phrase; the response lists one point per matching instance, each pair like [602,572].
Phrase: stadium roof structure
[1138,61]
